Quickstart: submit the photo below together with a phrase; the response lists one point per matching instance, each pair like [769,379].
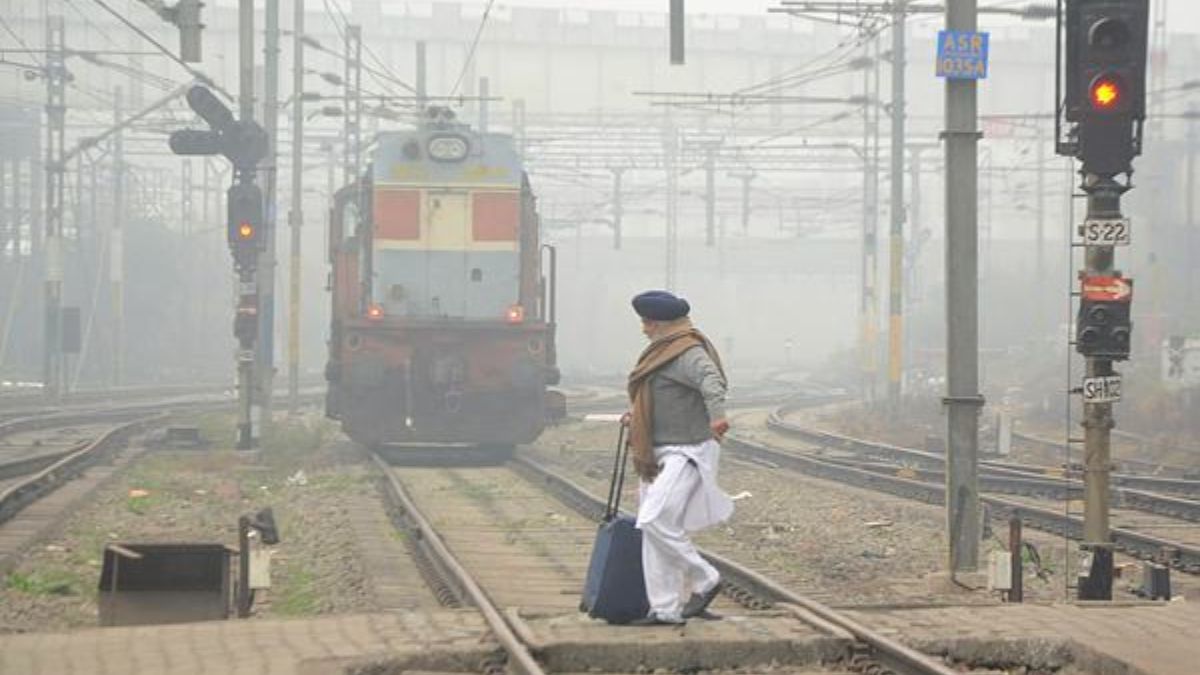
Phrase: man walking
[677,418]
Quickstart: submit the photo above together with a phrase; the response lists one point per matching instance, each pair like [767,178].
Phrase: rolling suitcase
[615,589]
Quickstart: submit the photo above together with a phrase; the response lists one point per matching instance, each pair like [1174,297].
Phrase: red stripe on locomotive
[495,216]
[397,214]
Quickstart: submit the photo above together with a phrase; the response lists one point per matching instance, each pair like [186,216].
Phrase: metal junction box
[164,583]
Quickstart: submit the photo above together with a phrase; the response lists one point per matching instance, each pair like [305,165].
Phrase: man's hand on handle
[719,428]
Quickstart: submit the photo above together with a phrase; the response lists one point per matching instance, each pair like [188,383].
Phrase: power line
[148,38]
[474,43]
[381,77]
[13,33]
[88,22]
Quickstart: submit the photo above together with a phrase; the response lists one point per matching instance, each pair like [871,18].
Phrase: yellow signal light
[246,230]
[1106,93]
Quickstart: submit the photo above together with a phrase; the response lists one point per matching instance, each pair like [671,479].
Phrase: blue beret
[660,306]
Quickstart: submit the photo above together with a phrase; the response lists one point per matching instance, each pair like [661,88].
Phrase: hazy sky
[1183,15]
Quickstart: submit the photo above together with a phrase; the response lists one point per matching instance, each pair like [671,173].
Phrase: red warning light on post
[1107,288]
[1106,92]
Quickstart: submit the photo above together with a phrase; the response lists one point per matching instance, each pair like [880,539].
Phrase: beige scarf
[679,337]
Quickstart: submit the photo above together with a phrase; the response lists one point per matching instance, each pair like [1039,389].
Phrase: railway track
[40,490]
[50,463]
[917,475]
[500,540]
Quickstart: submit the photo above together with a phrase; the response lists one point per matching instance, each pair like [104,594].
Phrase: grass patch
[297,593]
[47,582]
[290,439]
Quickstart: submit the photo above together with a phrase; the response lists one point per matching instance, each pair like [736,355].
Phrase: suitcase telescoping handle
[613,506]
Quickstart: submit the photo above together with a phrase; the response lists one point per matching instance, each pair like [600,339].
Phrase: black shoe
[655,620]
[699,602]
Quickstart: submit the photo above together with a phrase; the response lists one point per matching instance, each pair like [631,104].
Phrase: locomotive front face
[448,342]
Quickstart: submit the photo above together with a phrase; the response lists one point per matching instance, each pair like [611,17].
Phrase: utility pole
[1040,214]
[265,367]
[870,239]
[746,177]
[671,147]
[116,245]
[618,207]
[710,197]
[896,235]
[296,214]
[56,110]
[352,105]
[484,93]
[247,287]
[1189,192]
[422,93]
[963,400]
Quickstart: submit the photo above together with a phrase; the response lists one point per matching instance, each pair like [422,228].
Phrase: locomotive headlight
[448,148]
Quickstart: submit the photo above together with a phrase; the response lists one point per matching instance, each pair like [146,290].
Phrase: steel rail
[518,652]
[888,651]
[1183,557]
[18,496]
[1008,478]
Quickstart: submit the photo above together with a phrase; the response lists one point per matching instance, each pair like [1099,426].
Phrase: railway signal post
[244,143]
[1104,101]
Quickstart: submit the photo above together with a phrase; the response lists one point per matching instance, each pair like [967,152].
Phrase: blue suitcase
[615,589]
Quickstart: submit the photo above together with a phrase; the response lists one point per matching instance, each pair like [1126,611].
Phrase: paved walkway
[444,640]
[1152,639]
[1103,639]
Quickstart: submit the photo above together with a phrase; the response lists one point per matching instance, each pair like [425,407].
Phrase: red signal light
[1105,92]
[246,230]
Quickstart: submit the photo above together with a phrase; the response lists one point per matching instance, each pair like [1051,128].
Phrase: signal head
[209,108]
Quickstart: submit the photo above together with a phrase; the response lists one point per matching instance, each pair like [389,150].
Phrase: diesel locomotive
[442,326]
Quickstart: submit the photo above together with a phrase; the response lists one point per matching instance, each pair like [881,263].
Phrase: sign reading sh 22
[962,55]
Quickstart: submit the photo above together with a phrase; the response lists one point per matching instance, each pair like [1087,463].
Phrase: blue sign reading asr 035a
[962,55]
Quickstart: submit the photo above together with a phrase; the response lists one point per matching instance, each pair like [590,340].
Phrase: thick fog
[775,133]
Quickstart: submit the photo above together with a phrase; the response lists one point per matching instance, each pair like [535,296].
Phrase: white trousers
[673,568]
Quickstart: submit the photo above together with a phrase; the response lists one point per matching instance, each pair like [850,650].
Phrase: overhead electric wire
[9,29]
[474,43]
[93,25]
[197,74]
[387,73]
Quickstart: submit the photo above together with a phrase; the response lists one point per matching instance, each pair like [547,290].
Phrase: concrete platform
[408,642]
[569,643]
[1099,638]
[455,641]
[1093,639]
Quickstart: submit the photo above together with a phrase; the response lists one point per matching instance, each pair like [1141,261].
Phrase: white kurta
[683,498]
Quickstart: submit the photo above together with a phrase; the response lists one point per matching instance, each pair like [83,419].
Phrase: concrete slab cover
[573,642]
[1150,638]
